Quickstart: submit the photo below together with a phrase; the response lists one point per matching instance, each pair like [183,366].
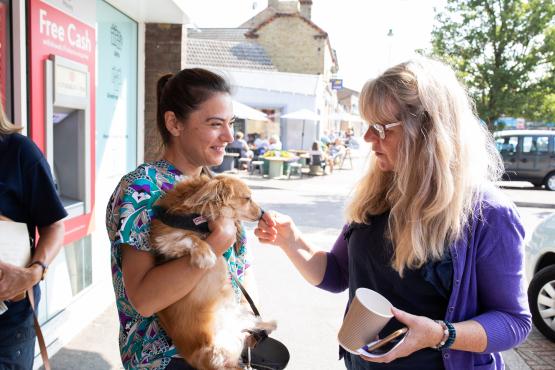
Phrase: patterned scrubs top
[143,343]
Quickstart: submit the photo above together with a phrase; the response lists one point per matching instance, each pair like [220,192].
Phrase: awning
[245,112]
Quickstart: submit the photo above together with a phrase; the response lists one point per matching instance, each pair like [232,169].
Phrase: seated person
[240,143]
[261,144]
[274,143]
[336,150]
[324,158]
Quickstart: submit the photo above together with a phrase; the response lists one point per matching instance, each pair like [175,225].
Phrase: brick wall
[291,45]
[164,53]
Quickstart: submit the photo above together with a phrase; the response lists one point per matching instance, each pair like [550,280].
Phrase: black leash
[244,291]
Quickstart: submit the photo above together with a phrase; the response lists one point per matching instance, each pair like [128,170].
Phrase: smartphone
[386,344]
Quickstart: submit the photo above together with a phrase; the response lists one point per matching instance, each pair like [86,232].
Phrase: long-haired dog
[206,325]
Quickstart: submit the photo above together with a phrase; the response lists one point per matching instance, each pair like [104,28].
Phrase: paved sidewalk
[316,203]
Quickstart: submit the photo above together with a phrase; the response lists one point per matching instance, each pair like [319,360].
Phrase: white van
[528,155]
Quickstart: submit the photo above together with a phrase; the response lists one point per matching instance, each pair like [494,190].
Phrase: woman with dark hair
[27,195]
[426,227]
[195,119]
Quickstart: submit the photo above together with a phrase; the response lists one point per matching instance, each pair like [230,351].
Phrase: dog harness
[192,222]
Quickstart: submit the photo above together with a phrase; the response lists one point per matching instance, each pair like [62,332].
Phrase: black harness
[192,222]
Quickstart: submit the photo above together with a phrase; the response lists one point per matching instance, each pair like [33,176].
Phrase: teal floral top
[143,342]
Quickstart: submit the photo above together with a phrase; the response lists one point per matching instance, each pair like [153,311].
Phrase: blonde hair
[6,127]
[445,157]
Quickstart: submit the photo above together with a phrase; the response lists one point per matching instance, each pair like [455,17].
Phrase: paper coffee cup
[368,313]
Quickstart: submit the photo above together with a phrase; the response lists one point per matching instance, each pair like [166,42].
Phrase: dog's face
[212,197]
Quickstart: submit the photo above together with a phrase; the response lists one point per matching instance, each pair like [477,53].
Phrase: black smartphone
[386,344]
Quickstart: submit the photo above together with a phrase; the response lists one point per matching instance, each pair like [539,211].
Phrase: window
[507,144]
[535,144]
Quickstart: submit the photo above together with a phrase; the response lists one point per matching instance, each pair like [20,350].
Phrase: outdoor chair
[257,166]
[235,151]
[295,168]
[317,165]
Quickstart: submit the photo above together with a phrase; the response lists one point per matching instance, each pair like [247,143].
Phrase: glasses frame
[379,129]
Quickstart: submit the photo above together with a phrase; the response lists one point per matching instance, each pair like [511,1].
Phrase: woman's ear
[173,125]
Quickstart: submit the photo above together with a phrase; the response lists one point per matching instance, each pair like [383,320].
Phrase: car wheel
[541,297]
[550,181]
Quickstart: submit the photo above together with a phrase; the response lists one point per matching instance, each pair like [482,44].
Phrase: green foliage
[504,51]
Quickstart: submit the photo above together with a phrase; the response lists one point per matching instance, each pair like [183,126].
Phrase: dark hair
[184,92]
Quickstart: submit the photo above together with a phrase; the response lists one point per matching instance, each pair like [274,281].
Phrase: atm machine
[68,141]
[68,151]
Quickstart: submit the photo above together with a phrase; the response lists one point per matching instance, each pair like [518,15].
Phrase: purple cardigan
[488,281]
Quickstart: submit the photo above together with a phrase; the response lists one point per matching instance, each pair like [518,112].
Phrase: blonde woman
[28,195]
[426,228]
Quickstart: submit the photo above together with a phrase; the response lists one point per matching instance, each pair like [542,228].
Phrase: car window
[535,144]
[506,144]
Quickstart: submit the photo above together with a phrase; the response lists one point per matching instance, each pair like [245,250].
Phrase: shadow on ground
[68,359]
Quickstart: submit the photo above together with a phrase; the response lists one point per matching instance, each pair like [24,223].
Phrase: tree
[504,51]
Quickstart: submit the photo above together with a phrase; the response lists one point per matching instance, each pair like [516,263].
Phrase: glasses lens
[378,130]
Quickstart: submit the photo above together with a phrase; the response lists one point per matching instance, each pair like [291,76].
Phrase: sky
[358,29]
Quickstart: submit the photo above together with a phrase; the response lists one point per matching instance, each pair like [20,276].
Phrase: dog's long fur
[206,325]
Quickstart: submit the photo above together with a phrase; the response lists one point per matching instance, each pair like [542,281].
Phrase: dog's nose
[261,214]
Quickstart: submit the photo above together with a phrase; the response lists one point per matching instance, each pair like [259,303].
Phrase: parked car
[540,272]
[528,155]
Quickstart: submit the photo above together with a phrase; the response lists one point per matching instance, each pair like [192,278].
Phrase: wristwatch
[44,268]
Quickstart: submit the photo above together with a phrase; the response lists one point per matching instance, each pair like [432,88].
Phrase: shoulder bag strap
[40,337]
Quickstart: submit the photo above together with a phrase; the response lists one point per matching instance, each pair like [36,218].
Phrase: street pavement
[308,318]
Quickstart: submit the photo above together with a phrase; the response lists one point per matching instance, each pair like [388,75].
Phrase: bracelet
[449,335]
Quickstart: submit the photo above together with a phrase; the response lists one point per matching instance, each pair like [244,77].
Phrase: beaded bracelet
[449,335]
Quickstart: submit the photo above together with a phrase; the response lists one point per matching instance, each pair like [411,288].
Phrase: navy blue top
[424,291]
[27,194]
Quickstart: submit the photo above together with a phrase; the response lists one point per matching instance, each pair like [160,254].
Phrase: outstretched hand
[423,333]
[277,229]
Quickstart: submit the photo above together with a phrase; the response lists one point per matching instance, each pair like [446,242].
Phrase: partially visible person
[27,195]
[336,149]
[240,143]
[274,143]
[426,227]
[195,120]
[325,138]
[261,143]
[317,151]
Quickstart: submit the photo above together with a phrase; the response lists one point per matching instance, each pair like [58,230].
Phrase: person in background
[28,195]
[261,143]
[317,151]
[336,149]
[274,143]
[426,228]
[240,143]
[325,138]
[195,119]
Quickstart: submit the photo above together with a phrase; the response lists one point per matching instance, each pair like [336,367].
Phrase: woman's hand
[277,229]
[423,333]
[222,234]
[15,280]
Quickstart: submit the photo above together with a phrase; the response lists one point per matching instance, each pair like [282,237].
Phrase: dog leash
[245,293]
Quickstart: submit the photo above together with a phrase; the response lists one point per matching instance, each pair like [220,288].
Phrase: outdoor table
[276,165]
[228,163]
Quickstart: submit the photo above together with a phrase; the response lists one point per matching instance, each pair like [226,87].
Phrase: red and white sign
[52,31]
[3,50]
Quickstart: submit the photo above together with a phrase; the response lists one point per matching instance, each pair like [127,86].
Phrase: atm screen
[59,117]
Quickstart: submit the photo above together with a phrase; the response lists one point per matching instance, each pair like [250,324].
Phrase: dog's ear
[214,195]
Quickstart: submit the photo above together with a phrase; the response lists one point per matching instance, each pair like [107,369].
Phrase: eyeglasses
[380,129]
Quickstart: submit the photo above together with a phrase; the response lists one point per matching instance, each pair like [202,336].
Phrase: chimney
[306,8]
